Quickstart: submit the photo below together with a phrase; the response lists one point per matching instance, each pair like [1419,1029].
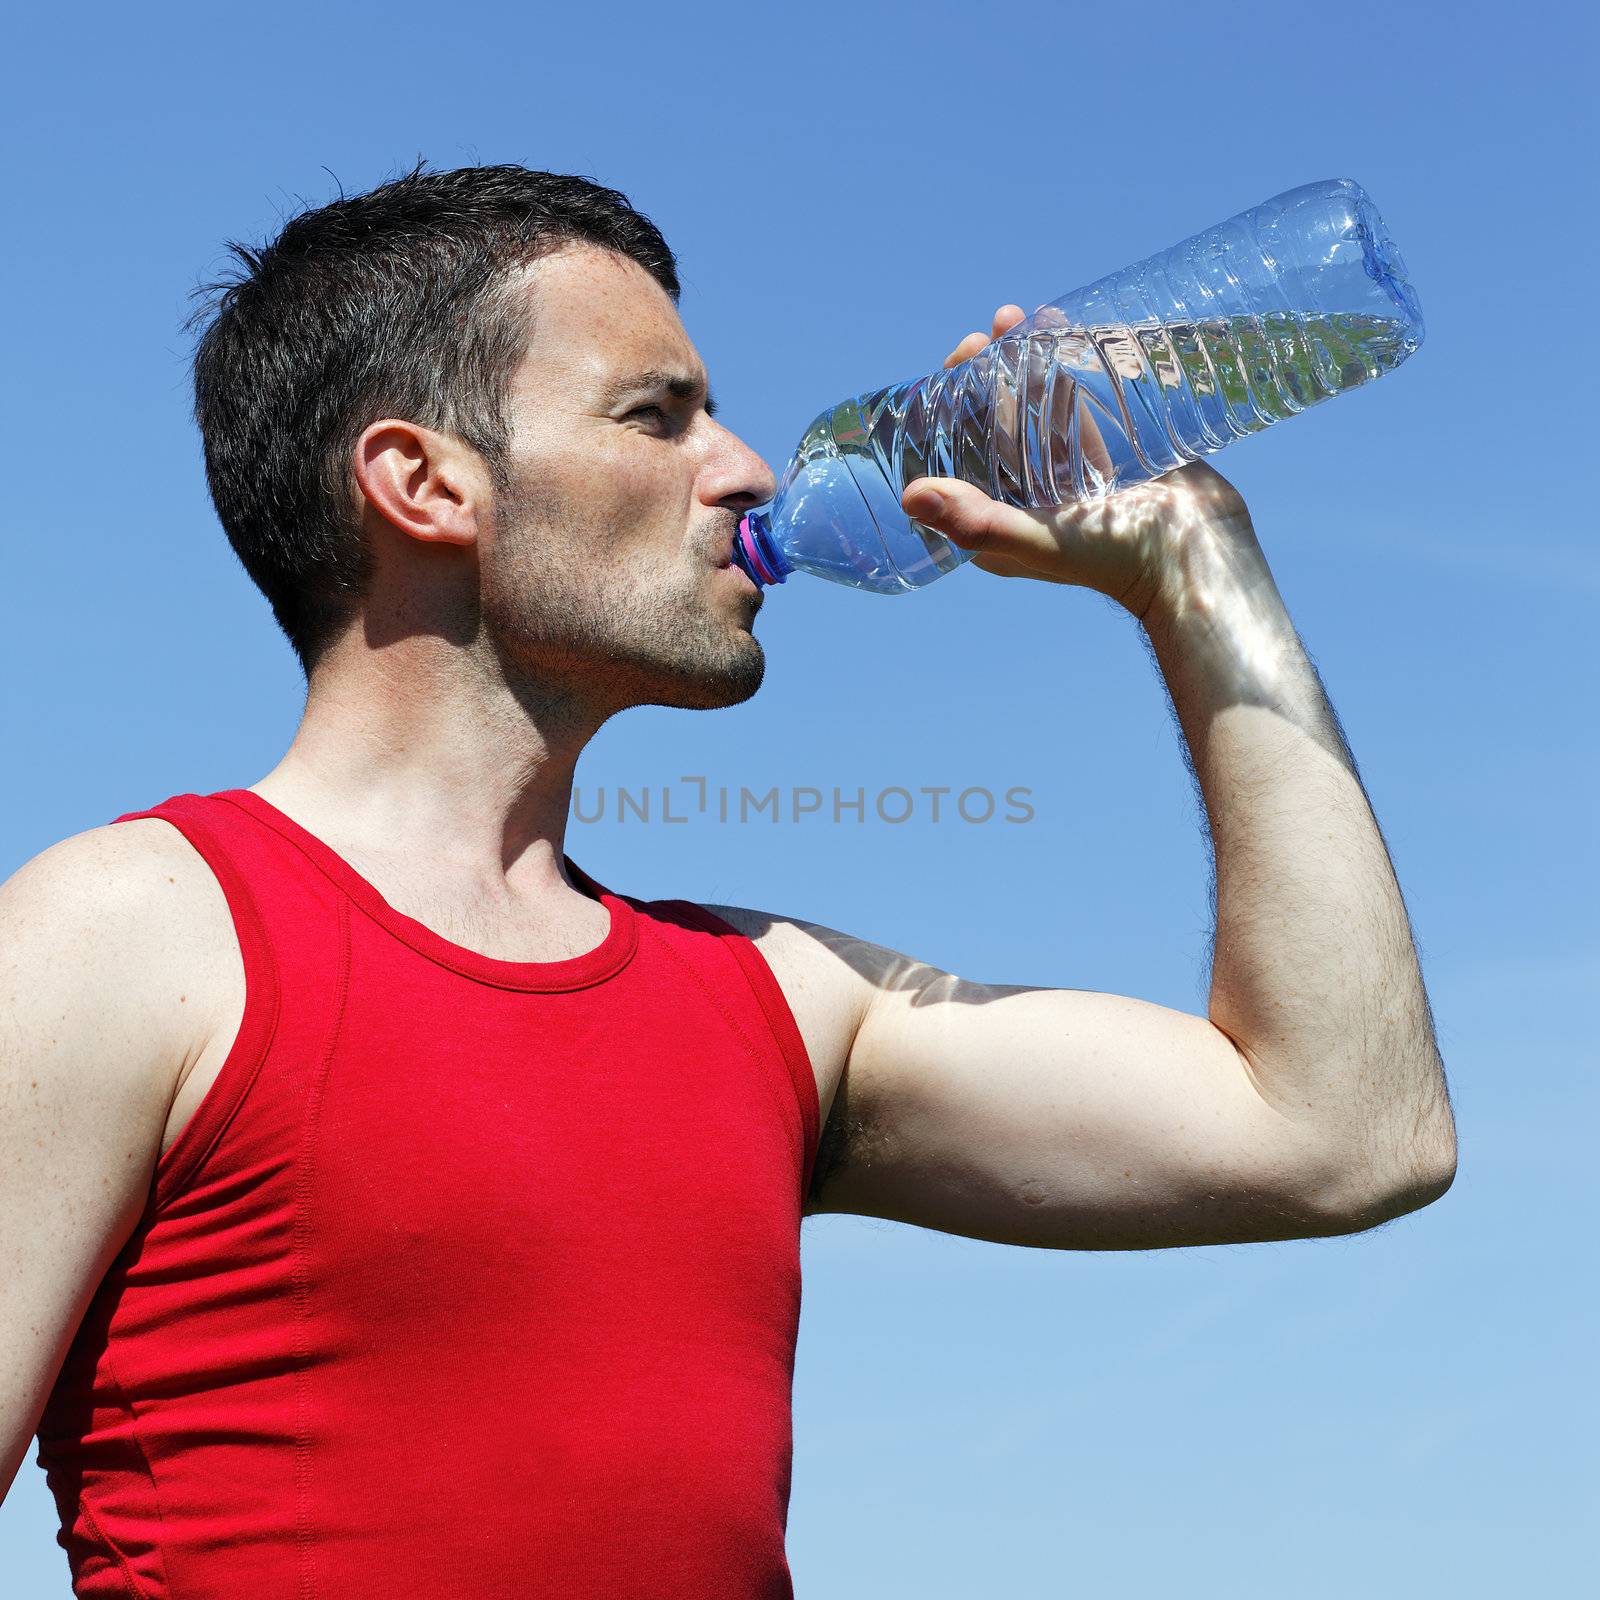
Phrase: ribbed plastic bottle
[1297,299]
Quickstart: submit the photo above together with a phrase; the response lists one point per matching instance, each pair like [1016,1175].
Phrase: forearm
[1314,969]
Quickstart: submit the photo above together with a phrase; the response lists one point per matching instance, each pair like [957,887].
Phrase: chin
[705,688]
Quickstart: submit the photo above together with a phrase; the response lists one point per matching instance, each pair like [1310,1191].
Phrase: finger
[965,351]
[1071,413]
[1092,443]
[966,516]
[1006,318]
[1000,566]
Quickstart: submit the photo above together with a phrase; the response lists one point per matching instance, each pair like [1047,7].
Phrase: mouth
[725,557]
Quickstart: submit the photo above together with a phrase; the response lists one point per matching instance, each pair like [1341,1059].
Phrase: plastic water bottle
[1300,298]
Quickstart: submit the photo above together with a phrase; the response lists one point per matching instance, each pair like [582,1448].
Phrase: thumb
[969,518]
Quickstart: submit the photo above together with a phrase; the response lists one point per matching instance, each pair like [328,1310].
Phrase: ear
[424,484]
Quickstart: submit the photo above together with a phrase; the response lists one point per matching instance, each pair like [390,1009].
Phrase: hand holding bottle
[1140,547]
[1127,382]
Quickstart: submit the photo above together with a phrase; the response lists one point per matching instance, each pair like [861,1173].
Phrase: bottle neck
[755,551]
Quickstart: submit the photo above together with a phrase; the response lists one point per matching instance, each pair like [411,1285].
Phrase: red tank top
[468,1278]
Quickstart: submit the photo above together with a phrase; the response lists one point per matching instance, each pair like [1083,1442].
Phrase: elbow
[1381,1197]
[1433,1166]
[1396,1200]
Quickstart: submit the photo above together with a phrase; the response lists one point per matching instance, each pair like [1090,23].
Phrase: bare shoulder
[830,980]
[111,942]
[127,929]
[142,872]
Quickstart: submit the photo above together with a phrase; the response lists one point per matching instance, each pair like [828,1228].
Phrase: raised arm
[1310,1100]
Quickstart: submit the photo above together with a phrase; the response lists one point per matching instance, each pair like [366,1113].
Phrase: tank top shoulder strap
[208,828]
[762,986]
[289,928]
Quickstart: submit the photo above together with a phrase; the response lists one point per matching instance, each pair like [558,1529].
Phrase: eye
[641,411]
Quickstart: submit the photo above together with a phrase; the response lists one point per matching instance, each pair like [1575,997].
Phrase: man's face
[609,570]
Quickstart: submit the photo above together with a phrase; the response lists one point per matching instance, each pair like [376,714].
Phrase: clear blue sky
[849,191]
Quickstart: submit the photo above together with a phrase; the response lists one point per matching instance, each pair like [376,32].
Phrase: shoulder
[127,929]
[105,994]
[841,969]
[831,980]
[815,966]
[125,878]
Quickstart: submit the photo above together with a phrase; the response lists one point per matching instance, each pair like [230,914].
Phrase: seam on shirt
[797,1127]
[398,937]
[258,1023]
[782,1027]
[304,1543]
[126,1402]
[129,1582]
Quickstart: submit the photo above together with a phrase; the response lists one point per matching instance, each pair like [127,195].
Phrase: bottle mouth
[755,555]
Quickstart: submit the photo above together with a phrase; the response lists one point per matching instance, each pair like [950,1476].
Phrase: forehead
[596,318]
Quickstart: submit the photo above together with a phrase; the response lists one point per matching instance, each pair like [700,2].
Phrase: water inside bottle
[1062,414]
[1052,415]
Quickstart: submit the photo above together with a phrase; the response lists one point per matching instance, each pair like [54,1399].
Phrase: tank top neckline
[572,972]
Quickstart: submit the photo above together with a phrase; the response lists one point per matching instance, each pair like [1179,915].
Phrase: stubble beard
[610,638]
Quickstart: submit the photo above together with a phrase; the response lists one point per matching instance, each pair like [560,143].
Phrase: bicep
[1064,1118]
[90,1046]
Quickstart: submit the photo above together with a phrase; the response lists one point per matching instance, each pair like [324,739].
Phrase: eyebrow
[677,384]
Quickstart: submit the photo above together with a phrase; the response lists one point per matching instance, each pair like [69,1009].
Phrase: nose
[735,475]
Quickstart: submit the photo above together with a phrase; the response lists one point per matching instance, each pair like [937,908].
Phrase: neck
[421,753]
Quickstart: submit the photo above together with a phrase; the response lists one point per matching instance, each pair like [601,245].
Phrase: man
[389,1208]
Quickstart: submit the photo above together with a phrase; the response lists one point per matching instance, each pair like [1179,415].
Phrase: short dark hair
[389,303]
